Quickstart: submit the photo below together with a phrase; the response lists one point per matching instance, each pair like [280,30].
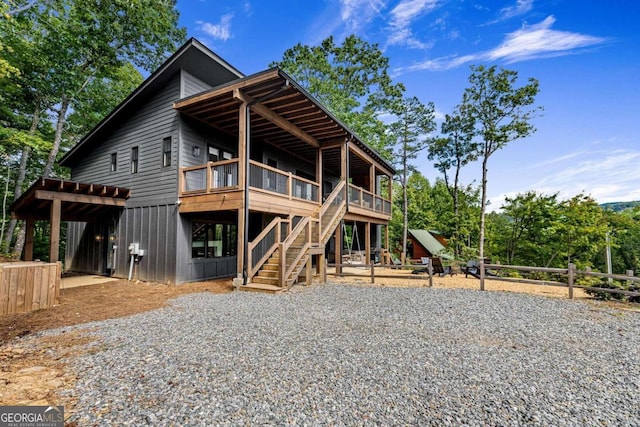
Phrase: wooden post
[373,273]
[54,235]
[319,176]
[481,274]
[571,278]
[283,264]
[309,276]
[630,274]
[28,240]
[372,180]
[242,145]
[430,267]
[338,251]
[386,243]
[367,241]
[322,267]
[241,237]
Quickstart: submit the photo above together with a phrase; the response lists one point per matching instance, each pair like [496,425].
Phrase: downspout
[247,169]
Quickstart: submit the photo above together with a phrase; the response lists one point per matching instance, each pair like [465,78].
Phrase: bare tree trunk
[483,207]
[57,138]
[4,203]
[405,208]
[22,173]
[20,241]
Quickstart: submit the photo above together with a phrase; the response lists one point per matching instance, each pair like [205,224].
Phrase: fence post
[430,267]
[481,263]
[571,278]
[373,277]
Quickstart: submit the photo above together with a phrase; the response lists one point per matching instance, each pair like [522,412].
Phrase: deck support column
[367,242]
[243,181]
[322,267]
[28,239]
[338,238]
[309,272]
[54,234]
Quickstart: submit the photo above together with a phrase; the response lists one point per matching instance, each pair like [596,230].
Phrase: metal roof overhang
[79,201]
[288,116]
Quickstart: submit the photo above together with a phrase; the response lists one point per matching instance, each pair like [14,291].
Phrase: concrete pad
[76,281]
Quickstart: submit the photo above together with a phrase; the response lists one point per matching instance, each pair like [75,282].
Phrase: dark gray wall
[83,253]
[146,128]
[150,215]
[189,269]
[153,227]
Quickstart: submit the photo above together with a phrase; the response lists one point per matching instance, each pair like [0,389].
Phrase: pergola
[58,200]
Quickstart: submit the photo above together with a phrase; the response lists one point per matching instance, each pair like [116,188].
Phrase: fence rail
[571,272]
[28,286]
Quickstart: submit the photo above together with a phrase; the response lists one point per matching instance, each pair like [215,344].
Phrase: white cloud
[402,16]
[529,42]
[607,176]
[357,13]
[521,7]
[540,40]
[219,31]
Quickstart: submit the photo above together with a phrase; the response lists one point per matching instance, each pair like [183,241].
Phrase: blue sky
[585,54]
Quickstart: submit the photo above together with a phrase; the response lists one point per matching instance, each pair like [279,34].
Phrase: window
[212,240]
[166,152]
[114,162]
[134,160]
[215,154]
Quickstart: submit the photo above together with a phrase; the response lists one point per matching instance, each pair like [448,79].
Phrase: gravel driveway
[343,355]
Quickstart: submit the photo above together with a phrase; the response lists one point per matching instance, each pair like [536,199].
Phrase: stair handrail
[286,244]
[253,269]
[325,206]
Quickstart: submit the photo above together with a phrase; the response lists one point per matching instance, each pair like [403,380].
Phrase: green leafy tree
[501,113]
[580,231]
[351,79]
[414,122]
[62,46]
[451,152]
[530,216]
[624,228]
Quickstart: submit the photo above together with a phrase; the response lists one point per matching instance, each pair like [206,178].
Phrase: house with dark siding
[225,175]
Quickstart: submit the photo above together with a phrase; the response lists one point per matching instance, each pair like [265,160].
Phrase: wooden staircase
[272,273]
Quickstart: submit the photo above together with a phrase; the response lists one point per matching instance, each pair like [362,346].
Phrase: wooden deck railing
[210,177]
[271,179]
[364,199]
[266,243]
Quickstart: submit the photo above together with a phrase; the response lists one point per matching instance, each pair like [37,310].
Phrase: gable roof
[430,243]
[192,55]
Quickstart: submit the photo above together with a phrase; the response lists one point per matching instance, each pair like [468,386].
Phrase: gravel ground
[343,355]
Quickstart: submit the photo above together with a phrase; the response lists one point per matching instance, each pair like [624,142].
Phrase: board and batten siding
[152,227]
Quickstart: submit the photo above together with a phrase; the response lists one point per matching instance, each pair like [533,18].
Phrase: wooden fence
[571,272]
[28,286]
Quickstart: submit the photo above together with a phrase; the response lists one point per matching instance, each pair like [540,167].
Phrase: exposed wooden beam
[277,119]
[271,74]
[78,198]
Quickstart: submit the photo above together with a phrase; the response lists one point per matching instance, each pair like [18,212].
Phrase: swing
[354,236]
